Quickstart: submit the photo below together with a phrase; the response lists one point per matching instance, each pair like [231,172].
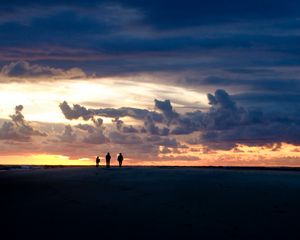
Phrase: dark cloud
[227,125]
[288,104]
[170,142]
[129,129]
[79,111]
[166,108]
[23,69]
[127,37]
[124,128]
[191,13]
[18,117]
[254,82]
[223,113]
[127,112]
[151,128]
[252,135]
[76,112]
[125,134]
[189,123]
[224,125]
[221,99]
[98,122]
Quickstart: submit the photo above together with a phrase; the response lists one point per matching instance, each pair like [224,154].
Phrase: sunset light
[203,92]
[150,120]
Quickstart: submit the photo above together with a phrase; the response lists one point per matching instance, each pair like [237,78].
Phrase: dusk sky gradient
[165,82]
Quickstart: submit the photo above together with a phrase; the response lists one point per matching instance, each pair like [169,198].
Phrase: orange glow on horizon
[42,159]
[284,155]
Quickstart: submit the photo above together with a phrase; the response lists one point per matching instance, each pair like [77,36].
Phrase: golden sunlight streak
[42,159]
[41,101]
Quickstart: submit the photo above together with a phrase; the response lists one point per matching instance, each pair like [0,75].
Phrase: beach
[150,203]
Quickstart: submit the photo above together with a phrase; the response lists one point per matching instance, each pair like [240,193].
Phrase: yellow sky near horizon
[287,155]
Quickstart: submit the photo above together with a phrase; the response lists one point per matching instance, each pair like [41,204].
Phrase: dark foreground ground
[150,203]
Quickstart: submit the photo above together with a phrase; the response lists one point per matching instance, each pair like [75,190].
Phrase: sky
[164,82]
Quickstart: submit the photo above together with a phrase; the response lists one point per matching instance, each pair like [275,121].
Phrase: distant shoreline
[32,167]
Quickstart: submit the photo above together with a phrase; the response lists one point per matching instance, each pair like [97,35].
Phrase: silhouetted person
[97,161]
[120,159]
[108,157]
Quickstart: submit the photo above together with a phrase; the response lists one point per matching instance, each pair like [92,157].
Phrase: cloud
[124,134]
[251,135]
[224,125]
[223,113]
[98,122]
[170,142]
[124,128]
[189,123]
[86,127]
[197,40]
[20,70]
[127,112]
[119,123]
[78,111]
[8,131]
[165,150]
[129,129]
[151,128]
[96,137]
[221,99]
[179,158]
[120,138]
[164,141]
[166,108]
[18,129]
[68,134]
[18,117]
[95,134]
[89,134]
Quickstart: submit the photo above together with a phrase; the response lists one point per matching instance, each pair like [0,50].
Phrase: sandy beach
[150,203]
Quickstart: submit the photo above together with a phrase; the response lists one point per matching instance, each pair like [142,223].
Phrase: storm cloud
[224,125]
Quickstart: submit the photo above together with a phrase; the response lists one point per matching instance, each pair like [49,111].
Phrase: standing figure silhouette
[120,159]
[97,161]
[108,157]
